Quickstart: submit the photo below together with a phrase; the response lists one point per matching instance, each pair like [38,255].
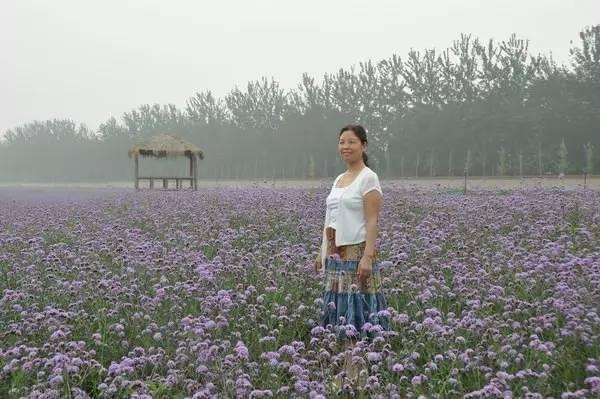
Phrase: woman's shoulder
[336,180]
[369,181]
[370,172]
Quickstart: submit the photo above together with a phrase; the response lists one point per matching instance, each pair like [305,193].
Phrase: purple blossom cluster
[212,294]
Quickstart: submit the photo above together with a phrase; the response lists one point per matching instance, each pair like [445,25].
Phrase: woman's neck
[356,167]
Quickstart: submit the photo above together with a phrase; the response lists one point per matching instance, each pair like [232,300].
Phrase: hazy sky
[90,60]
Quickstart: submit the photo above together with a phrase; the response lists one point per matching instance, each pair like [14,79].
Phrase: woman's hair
[361,133]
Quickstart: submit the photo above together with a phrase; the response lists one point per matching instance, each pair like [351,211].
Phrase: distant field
[451,183]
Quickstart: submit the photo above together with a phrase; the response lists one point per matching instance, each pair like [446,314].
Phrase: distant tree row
[492,108]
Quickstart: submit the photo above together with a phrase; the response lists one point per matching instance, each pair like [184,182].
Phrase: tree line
[490,108]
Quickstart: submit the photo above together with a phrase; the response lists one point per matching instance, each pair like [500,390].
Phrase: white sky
[90,60]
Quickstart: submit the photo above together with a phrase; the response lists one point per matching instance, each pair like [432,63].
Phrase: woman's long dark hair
[361,133]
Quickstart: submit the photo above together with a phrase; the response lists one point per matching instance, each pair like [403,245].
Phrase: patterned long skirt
[355,310]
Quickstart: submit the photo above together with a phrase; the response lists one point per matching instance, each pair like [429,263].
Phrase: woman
[352,299]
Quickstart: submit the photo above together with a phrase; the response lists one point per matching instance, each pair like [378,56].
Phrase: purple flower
[374,356]
[595,383]
[397,368]
[241,350]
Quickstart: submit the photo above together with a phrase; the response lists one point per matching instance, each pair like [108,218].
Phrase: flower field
[212,294]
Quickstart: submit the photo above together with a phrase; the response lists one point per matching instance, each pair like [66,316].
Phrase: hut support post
[137,174]
[191,171]
[195,173]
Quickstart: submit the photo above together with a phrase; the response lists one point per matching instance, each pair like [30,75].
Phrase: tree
[205,109]
[261,106]
[562,158]
[111,130]
[589,158]
[502,162]
[154,119]
[586,59]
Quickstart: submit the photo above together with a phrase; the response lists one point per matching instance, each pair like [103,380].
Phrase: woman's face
[350,147]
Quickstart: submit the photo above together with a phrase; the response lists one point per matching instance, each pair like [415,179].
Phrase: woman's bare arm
[372,206]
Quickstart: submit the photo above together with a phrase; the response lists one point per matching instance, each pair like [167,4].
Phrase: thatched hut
[167,146]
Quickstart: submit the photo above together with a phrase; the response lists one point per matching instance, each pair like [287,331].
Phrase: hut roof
[165,146]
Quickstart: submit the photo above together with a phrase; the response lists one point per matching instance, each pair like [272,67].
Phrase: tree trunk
[417,165]
[483,163]
[402,166]
[520,164]
[431,158]
[387,162]
[540,171]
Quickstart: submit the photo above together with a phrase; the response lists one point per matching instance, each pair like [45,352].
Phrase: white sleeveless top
[345,209]
[333,204]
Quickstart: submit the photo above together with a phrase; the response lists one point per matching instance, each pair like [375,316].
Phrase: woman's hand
[318,264]
[365,266]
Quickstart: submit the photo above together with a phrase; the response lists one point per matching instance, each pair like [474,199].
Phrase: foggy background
[263,87]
